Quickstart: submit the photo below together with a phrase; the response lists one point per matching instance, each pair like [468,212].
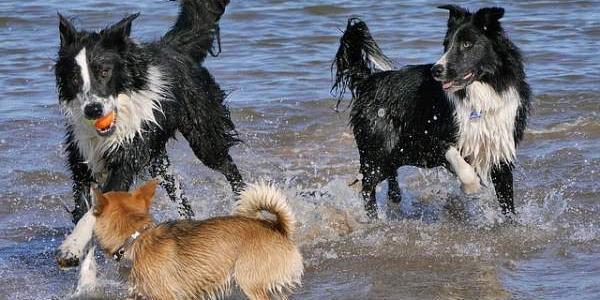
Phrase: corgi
[189,259]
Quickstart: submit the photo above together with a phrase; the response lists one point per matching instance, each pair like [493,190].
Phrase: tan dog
[198,259]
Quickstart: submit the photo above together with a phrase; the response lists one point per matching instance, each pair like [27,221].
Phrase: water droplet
[381,112]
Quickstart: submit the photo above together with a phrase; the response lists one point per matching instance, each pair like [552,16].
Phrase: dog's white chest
[486,122]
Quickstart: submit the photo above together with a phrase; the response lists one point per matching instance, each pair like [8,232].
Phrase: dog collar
[120,253]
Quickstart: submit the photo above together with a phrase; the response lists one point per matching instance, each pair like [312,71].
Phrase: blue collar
[475,115]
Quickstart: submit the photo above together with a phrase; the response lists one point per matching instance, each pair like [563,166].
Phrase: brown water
[437,244]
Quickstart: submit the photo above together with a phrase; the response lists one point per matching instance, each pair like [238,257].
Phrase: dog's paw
[67,258]
[471,187]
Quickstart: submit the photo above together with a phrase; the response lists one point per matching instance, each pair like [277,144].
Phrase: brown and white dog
[190,259]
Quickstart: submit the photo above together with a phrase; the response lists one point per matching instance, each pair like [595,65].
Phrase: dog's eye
[104,73]
[467,45]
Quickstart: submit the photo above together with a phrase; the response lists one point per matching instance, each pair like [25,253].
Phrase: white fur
[87,273]
[465,172]
[81,60]
[74,244]
[133,110]
[488,140]
[380,63]
[443,60]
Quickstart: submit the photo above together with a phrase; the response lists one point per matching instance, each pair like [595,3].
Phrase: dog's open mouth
[452,84]
[106,124]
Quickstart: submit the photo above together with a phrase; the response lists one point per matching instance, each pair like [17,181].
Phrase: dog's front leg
[82,179]
[71,250]
[120,178]
[466,174]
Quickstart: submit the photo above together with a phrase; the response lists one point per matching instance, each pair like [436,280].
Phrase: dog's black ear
[488,18]
[457,14]
[119,32]
[67,31]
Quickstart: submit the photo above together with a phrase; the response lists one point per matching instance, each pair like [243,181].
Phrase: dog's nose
[93,110]
[437,71]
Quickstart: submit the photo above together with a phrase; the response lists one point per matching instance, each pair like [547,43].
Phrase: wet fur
[404,117]
[200,259]
[157,89]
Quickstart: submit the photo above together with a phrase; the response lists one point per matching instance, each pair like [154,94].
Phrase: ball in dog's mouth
[106,124]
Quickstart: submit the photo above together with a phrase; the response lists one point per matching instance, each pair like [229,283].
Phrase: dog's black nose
[437,71]
[93,110]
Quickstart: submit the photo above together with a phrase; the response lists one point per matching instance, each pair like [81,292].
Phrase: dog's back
[187,259]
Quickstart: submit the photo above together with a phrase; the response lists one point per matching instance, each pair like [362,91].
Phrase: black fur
[403,117]
[193,105]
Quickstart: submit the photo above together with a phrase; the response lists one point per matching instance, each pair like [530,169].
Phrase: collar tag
[475,115]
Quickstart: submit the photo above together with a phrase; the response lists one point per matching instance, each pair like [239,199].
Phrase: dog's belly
[486,122]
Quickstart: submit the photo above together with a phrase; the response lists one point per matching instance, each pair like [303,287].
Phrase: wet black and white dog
[467,112]
[123,101]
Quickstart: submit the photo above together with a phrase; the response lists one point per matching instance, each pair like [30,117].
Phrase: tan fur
[200,259]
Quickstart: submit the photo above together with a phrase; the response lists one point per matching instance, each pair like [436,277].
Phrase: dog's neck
[114,234]
[126,246]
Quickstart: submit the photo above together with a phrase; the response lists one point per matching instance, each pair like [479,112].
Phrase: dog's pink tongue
[447,84]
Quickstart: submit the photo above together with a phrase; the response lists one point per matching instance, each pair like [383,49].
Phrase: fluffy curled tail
[357,57]
[265,197]
[197,28]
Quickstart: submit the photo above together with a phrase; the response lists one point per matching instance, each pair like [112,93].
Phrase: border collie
[123,101]
[467,112]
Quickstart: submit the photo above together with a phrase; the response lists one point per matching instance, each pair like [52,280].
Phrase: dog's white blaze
[133,110]
[82,62]
[488,140]
[443,60]
[75,243]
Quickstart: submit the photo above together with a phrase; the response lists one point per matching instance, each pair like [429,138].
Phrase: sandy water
[437,244]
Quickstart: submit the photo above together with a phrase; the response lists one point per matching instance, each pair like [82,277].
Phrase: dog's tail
[358,57]
[197,28]
[264,197]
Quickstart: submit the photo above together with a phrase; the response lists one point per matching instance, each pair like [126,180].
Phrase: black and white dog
[467,112]
[123,101]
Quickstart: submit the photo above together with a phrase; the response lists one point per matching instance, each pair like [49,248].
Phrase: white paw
[71,250]
[68,254]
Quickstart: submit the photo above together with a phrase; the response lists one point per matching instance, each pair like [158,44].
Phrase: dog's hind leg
[227,167]
[161,168]
[216,159]
[372,176]
[502,178]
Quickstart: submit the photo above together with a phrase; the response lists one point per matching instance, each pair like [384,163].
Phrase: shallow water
[436,244]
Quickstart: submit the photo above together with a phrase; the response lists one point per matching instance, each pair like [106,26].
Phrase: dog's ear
[99,201]
[118,33]
[146,192]
[457,14]
[67,31]
[488,18]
